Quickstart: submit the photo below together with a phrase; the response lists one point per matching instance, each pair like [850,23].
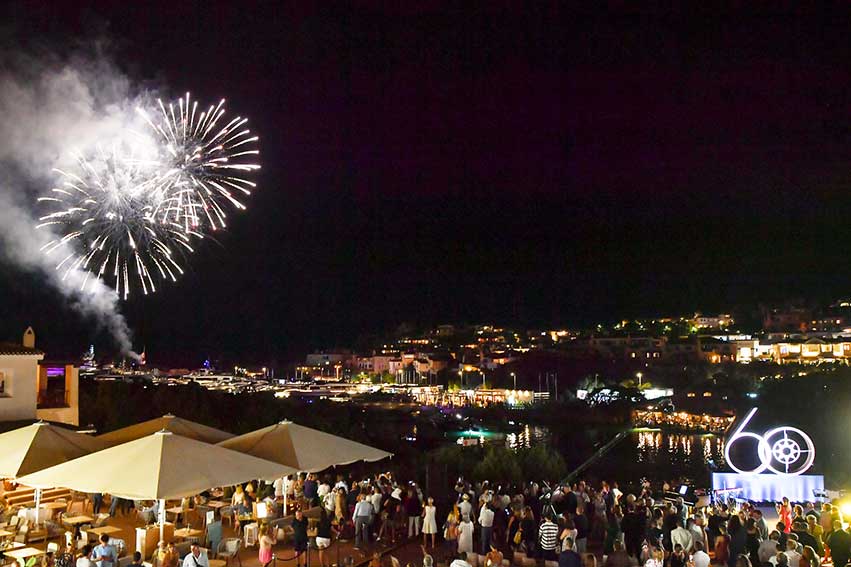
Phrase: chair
[229,548]
[120,546]
[227,513]
[101,520]
[52,547]
[213,536]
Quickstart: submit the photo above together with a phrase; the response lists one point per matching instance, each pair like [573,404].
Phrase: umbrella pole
[37,504]
[161,514]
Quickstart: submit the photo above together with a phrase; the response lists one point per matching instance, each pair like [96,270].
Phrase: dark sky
[529,167]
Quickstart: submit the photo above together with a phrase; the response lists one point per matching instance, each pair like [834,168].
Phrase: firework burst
[205,159]
[130,218]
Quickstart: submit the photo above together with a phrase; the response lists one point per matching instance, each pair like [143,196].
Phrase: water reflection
[649,446]
[527,437]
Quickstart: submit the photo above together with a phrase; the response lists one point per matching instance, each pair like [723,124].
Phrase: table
[10,545]
[176,510]
[184,533]
[216,504]
[23,553]
[76,520]
[4,533]
[50,509]
[109,530]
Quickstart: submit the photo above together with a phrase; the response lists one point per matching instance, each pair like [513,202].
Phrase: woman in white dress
[429,521]
[465,535]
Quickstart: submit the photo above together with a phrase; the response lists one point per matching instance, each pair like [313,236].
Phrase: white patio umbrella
[160,467]
[168,422]
[39,446]
[302,448]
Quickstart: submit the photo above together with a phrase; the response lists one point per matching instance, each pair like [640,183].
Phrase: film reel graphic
[782,450]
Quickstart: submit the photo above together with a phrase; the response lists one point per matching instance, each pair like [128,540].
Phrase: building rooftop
[15,349]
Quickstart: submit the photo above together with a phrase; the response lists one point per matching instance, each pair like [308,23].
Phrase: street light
[639,375]
[514,376]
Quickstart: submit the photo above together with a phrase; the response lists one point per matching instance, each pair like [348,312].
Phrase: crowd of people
[565,524]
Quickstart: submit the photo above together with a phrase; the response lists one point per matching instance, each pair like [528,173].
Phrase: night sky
[446,165]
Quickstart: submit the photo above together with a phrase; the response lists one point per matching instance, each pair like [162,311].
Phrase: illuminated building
[32,389]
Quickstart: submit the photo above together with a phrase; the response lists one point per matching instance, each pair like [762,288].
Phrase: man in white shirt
[196,557]
[700,558]
[362,518]
[486,522]
[768,548]
[85,557]
[683,537]
[460,561]
[792,553]
[465,507]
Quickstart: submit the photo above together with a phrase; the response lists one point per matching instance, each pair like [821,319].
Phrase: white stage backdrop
[770,487]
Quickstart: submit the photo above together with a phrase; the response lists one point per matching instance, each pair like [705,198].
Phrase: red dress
[786,517]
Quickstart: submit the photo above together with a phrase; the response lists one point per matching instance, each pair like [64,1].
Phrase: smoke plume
[51,107]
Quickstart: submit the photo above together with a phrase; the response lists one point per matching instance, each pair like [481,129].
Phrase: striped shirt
[548,536]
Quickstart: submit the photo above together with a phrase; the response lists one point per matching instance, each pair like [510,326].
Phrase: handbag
[518,536]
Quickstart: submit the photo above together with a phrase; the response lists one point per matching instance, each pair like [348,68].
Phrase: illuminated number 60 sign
[789,448]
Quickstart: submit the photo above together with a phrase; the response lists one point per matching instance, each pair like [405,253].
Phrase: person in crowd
[809,558]
[752,541]
[494,557]
[299,525]
[528,529]
[486,519]
[465,535]
[429,522]
[678,557]
[839,543]
[792,553]
[414,509]
[460,560]
[619,557]
[580,520]
[699,558]
[324,535]
[799,529]
[265,542]
[682,536]
[97,502]
[198,558]
[768,548]
[784,510]
[633,528]
[738,539]
[137,560]
[450,530]
[826,519]
[85,557]
[815,530]
[362,514]
[548,539]
[722,545]
[105,555]
[743,561]
[568,556]
[568,533]
[464,506]
[698,534]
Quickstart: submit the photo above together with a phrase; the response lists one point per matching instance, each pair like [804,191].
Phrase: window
[5,384]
